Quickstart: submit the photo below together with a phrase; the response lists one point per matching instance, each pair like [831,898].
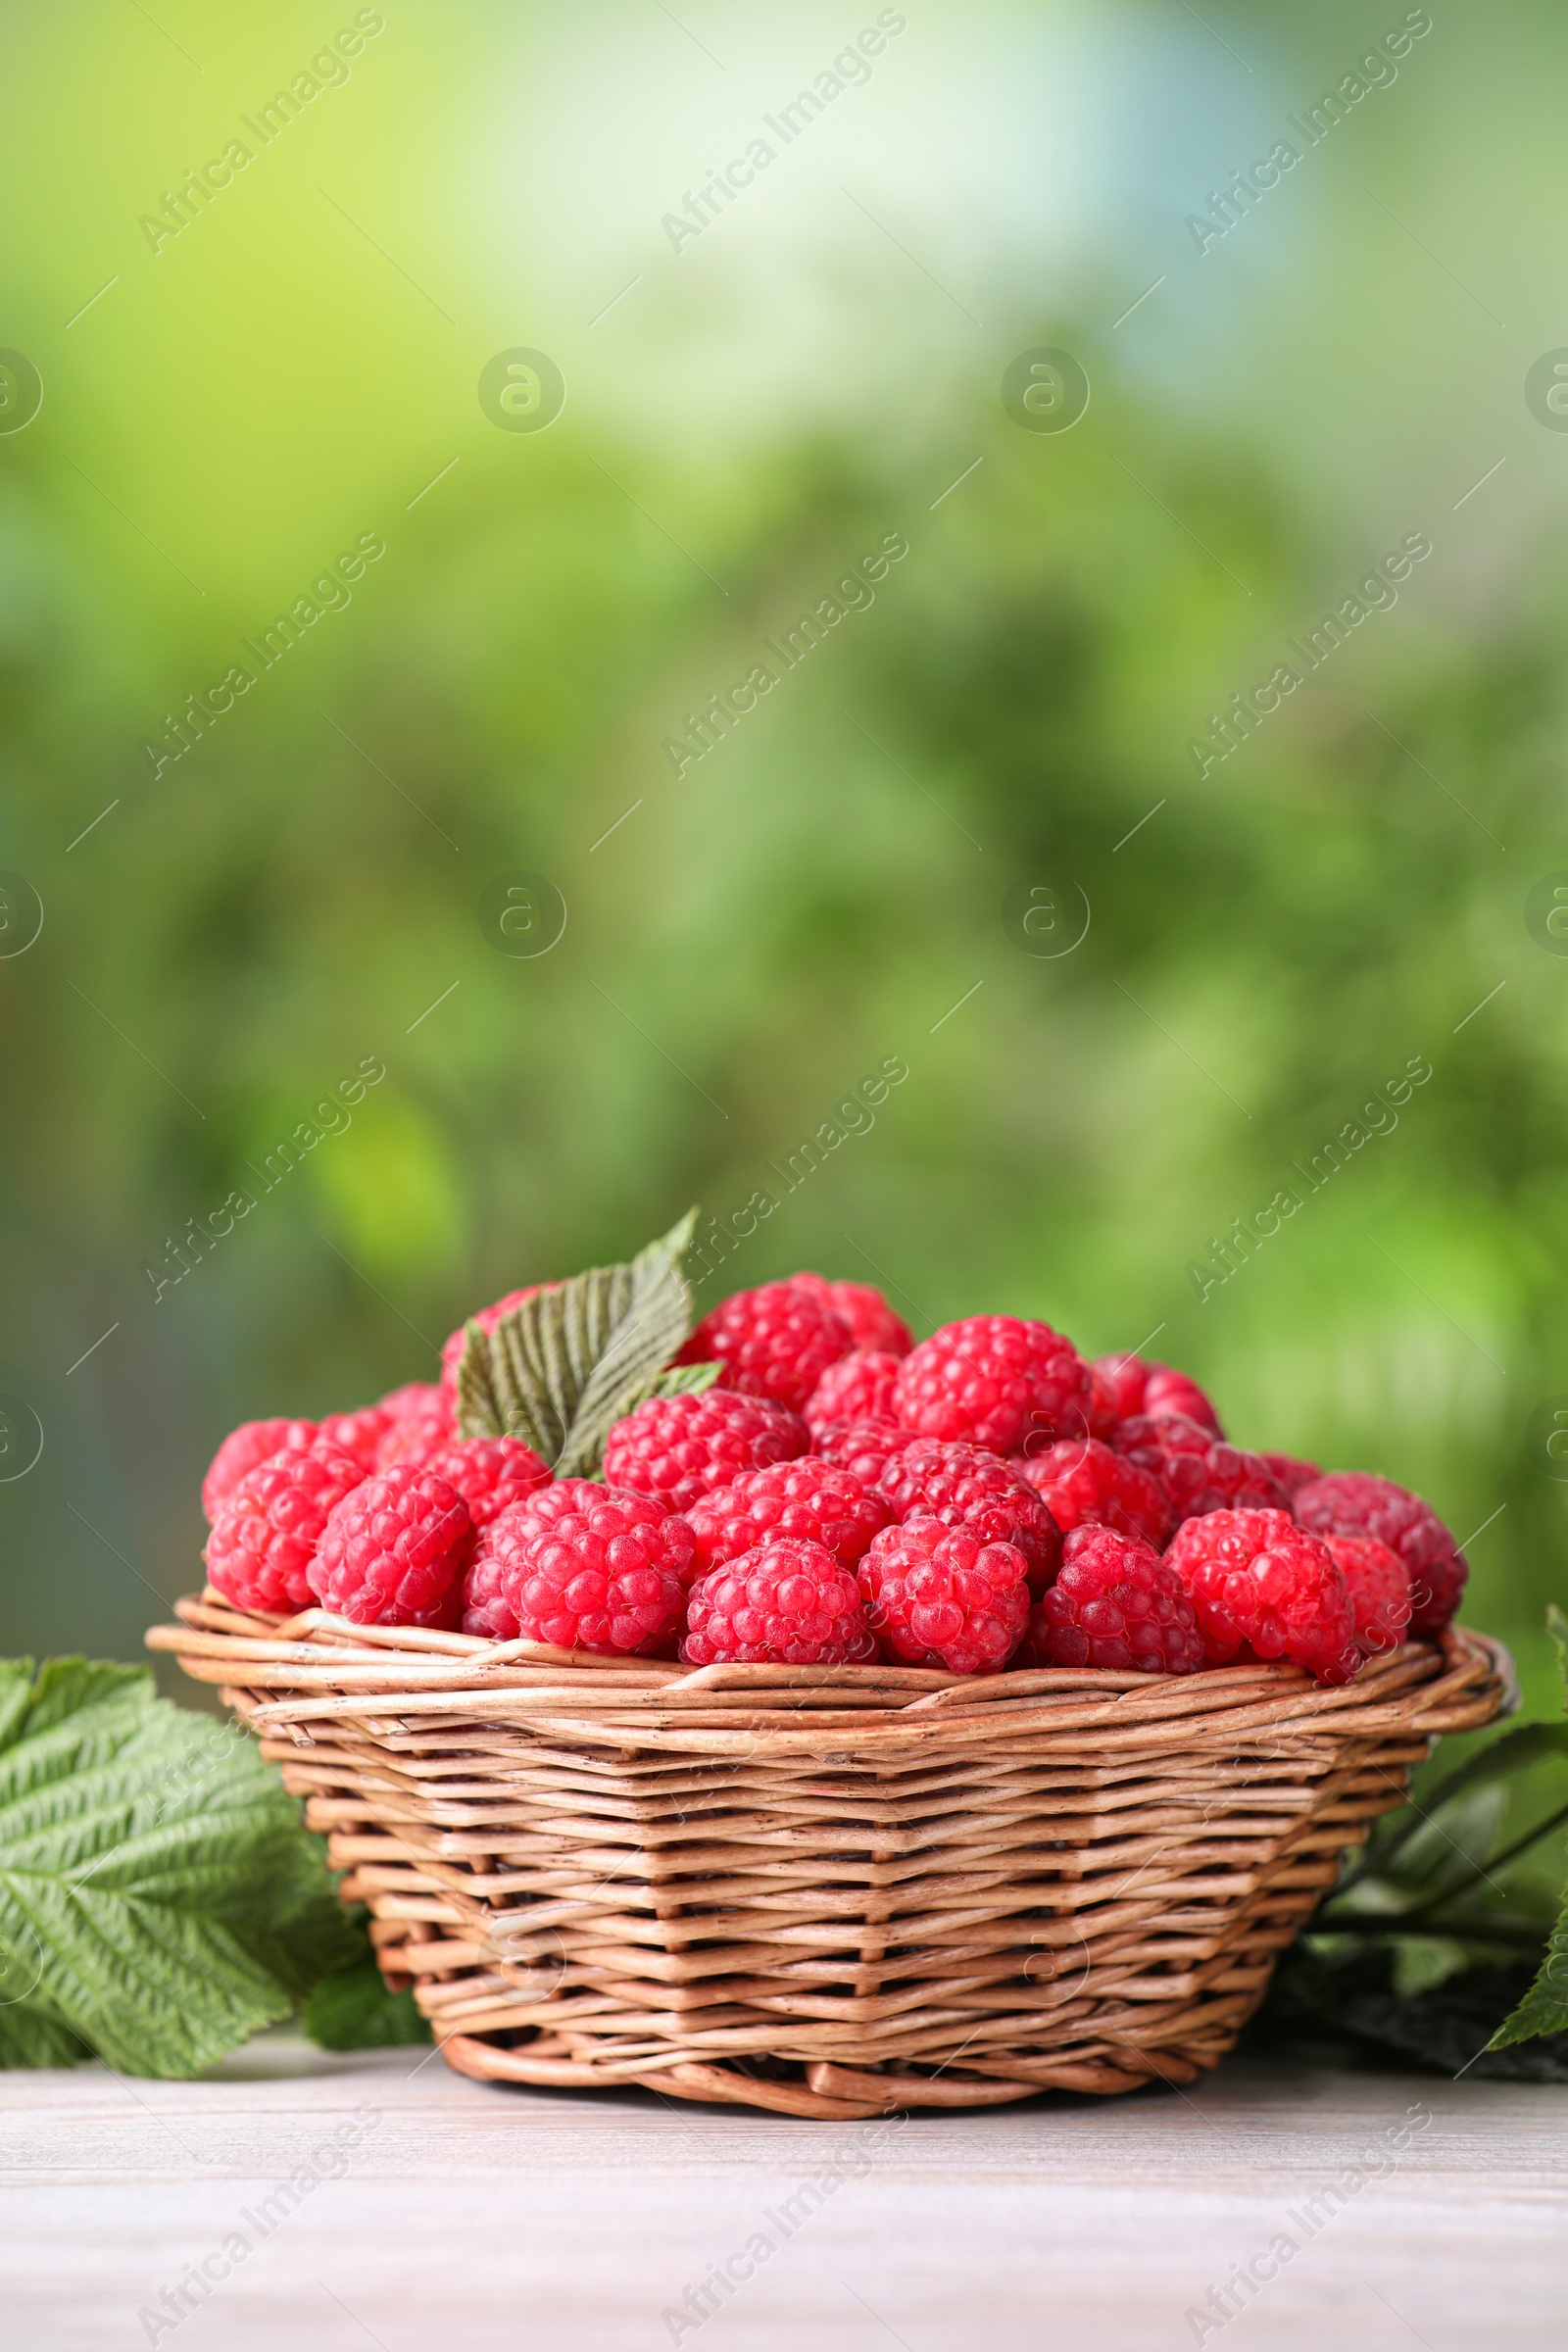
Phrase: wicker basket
[832,1891]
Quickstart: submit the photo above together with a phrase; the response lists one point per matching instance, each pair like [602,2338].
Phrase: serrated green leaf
[1544,2007]
[574,1358]
[1449,1850]
[65,1687]
[28,2037]
[1421,1946]
[293,1922]
[1423,1962]
[583,1456]
[355,2011]
[1516,1752]
[656,1319]
[1351,1999]
[159,1901]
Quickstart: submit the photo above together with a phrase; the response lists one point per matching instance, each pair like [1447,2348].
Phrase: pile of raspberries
[986,1499]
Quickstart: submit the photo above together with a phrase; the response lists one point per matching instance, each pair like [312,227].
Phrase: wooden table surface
[422,2211]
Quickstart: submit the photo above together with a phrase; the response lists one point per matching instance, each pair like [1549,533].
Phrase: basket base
[832,2093]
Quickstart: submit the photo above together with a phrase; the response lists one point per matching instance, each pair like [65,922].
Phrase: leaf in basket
[574,1358]
[158,1901]
[583,1454]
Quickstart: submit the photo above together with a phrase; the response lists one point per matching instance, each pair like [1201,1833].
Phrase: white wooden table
[447,2214]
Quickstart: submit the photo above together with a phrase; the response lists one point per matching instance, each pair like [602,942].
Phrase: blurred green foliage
[1268,942]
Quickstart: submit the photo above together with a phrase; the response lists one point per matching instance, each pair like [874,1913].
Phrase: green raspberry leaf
[569,1362]
[30,2038]
[159,1901]
[354,2010]
[1544,2007]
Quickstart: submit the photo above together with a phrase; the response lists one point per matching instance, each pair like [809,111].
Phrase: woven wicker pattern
[832,1891]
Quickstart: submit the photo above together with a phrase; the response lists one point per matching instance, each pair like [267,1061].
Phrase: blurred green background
[749,411]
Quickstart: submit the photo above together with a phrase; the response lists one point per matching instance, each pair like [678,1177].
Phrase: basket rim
[315,1666]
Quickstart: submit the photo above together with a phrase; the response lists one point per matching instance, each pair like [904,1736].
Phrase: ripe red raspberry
[1257,1579]
[358,1433]
[944,1597]
[414,1396]
[786,1602]
[486,1611]
[1379,1584]
[393,1552]
[489,1473]
[1130,1386]
[417,1415]
[487,1318]
[1102,1395]
[589,1567]
[1083,1482]
[1292,1474]
[1170,1391]
[1118,1386]
[775,1342]
[677,1447]
[873,1323]
[857,1387]
[1351,1503]
[863,1448]
[1115,1604]
[244,1449]
[965,1486]
[995,1381]
[1198,1471]
[807,1499]
[268,1527]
